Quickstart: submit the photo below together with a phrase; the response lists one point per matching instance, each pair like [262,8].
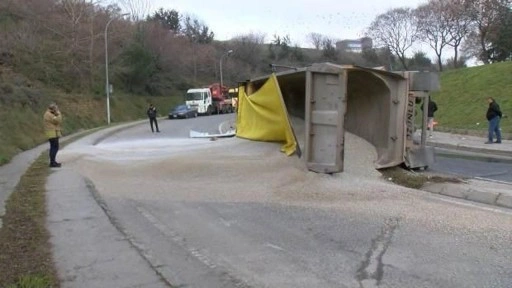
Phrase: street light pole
[223,55]
[107,86]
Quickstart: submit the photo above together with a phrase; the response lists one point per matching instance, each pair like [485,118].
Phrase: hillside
[462,100]
[24,101]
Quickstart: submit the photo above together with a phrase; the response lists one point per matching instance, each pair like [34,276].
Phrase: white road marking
[494,181]
[225,222]
[175,237]
[274,247]
[479,206]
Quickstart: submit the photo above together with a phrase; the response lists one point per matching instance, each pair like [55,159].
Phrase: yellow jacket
[52,123]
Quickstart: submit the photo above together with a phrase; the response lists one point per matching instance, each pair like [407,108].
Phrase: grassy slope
[23,103]
[462,99]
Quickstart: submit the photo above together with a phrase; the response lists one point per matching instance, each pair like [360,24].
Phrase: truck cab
[201,99]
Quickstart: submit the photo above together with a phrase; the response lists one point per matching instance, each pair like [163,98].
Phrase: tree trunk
[402,60]
[484,55]
[91,53]
[439,62]
[456,56]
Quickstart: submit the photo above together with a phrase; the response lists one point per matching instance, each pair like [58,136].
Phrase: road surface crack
[371,271]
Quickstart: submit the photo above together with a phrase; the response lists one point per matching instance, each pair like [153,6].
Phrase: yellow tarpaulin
[262,116]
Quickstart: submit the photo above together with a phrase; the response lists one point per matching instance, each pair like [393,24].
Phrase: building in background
[354,45]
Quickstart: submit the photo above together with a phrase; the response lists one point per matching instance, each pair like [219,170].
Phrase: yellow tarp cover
[262,116]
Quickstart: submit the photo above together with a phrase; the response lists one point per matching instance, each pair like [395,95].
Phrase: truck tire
[209,110]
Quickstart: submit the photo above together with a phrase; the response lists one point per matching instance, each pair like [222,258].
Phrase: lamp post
[107,88]
[223,55]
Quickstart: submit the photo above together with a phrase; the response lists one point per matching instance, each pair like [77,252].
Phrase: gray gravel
[232,204]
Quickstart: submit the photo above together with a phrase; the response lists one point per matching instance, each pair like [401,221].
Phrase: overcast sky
[338,19]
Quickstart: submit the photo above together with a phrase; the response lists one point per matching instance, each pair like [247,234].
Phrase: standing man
[152,113]
[432,108]
[52,125]
[493,116]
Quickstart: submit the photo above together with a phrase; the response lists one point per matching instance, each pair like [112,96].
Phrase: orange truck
[221,100]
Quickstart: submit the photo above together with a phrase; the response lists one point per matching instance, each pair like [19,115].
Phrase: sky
[337,19]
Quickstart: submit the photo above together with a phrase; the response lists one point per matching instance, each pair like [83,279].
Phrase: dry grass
[412,179]
[26,258]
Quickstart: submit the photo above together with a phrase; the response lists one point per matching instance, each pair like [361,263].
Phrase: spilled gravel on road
[238,170]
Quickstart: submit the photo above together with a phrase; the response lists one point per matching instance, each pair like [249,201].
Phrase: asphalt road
[473,165]
[257,219]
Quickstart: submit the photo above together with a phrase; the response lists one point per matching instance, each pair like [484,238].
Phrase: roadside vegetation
[26,260]
[413,179]
[24,101]
[462,101]
[26,257]
[54,51]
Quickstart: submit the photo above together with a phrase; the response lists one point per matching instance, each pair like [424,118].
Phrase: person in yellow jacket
[52,127]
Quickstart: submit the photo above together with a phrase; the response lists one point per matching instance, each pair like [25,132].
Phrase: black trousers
[54,148]
[151,120]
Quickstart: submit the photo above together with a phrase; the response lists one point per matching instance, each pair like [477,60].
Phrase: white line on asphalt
[175,237]
[492,180]
[462,203]
[225,222]
[274,247]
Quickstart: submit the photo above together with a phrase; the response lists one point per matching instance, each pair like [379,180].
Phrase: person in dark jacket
[493,116]
[432,108]
[152,113]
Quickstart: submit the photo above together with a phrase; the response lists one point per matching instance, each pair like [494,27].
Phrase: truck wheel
[209,110]
[195,115]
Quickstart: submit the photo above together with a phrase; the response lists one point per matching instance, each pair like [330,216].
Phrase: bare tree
[248,47]
[138,9]
[395,30]
[458,13]
[329,49]
[433,27]
[486,16]
[196,30]
[316,39]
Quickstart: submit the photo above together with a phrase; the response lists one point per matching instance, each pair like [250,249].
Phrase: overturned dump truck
[377,105]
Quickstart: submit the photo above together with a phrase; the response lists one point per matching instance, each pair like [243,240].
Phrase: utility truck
[213,99]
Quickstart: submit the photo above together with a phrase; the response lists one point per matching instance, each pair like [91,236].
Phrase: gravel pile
[230,169]
[359,154]
[237,170]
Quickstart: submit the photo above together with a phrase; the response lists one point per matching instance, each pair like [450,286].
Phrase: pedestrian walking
[152,113]
[493,116]
[432,108]
[52,125]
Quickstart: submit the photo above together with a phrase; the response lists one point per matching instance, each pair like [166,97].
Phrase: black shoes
[55,165]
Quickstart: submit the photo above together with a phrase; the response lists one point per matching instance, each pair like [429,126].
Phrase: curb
[117,225]
[461,147]
[107,131]
[462,191]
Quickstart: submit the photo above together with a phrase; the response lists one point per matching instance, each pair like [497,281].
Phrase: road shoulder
[89,251]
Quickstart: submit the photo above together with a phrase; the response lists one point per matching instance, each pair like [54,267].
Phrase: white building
[354,45]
